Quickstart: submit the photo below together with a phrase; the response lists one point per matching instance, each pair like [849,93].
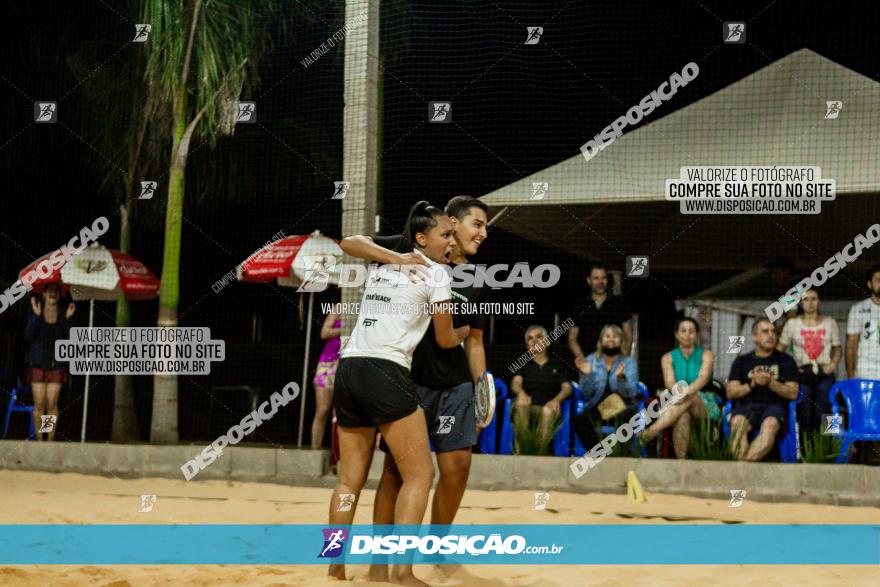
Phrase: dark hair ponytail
[420,219]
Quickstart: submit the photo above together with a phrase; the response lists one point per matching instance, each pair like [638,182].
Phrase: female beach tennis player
[374,388]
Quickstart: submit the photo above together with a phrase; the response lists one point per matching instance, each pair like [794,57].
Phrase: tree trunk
[164,427]
[125,425]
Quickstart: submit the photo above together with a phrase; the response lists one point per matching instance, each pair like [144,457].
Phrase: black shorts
[757,412]
[371,392]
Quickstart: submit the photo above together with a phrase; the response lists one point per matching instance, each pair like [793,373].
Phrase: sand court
[68,498]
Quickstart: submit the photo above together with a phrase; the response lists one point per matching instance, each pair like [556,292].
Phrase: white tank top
[395,313]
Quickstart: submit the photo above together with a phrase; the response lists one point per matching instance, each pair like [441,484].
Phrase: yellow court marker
[634,491]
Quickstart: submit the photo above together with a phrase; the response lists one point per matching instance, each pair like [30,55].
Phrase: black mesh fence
[527,85]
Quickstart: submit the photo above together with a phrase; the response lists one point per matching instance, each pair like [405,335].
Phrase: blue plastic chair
[788,443]
[561,440]
[488,436]
[13,407]
[862,398]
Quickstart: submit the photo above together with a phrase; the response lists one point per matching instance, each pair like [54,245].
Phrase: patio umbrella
[297,261]
[99,273]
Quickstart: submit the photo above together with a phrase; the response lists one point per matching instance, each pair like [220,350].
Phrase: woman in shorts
[45,325]
[374,388]
[325,375]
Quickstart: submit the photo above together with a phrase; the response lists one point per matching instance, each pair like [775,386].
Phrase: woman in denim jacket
[609,370]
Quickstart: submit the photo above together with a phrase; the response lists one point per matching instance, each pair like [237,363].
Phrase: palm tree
[199,56]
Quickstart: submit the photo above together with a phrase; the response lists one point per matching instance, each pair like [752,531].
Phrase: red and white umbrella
[95,273]
[294,259]
[98,273]
[297,261]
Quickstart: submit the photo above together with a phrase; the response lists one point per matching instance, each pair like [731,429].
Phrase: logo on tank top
[813,342]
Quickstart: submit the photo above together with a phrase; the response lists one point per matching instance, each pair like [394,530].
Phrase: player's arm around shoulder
[364,247]
[445,332]
[440,299]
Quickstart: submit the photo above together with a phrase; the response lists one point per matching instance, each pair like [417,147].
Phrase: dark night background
[516,109]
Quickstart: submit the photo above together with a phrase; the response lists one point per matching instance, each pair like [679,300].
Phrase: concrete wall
[829,484]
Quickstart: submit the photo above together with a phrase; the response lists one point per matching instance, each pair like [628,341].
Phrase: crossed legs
[678,416]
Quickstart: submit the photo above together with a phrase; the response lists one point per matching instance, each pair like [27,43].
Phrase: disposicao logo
[334,542]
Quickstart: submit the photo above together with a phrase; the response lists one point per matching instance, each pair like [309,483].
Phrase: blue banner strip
[629,544]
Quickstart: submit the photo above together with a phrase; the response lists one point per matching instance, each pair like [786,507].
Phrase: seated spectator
[541,385]
[863,348]
[691,363]
[814,341]
[761,384]
[607,372]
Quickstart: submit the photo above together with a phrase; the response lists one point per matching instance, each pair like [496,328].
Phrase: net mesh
[522,102]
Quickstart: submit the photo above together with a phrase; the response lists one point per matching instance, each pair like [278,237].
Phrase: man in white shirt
[863,333]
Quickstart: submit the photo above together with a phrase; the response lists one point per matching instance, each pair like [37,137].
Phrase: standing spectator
[607,372]
[541,385]
[761,384]
[325,375]
[814,341]
[781,272]
[46,376]
[691,363]
[863,333]
[782,279]
[601,309]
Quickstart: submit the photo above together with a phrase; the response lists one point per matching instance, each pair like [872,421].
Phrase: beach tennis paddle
[484,399]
